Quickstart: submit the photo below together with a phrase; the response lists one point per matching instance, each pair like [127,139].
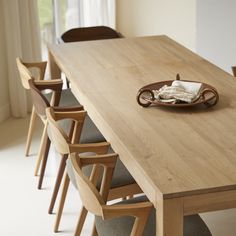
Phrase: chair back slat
[25,74]
[28,71]
[39,100]
[58,136]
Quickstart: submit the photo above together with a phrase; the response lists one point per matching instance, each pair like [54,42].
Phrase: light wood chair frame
[41,104]
[95,202]
[67,146]
[25,75]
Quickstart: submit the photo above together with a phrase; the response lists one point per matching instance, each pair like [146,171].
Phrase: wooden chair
[134,217]
[122,184]
[234,70]
[89,33]
[66,98]
[41,103]
[92,134]
[25,74]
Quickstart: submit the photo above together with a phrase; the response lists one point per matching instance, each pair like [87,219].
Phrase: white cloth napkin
[178,91]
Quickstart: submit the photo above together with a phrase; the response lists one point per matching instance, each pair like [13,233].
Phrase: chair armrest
[68,109]
[70,113]
[107,160]
[135,209]
[54,85]
[98,148]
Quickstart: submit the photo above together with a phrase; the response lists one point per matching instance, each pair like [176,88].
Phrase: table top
[170,152]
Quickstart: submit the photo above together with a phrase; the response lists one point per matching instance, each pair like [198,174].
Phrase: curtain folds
[22,39]
[97,12]
[85,13]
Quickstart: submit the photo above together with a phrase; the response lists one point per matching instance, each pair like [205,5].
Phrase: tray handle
[209,102]
[144,102]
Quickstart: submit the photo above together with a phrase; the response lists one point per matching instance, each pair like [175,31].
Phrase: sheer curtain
[22,39]
[97,12]
[84,13]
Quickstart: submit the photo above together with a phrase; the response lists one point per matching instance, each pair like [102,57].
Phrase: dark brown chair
[89,33]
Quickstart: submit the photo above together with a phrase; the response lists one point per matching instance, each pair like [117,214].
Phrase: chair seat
[120,178]
[90,133]
[193,225]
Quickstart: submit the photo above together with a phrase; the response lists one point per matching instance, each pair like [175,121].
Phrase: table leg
[170,217]
[55,71]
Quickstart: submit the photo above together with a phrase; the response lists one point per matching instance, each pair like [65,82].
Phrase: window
[56,16]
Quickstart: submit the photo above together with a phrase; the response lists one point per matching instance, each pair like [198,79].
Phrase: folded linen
[178,91]
[189,87]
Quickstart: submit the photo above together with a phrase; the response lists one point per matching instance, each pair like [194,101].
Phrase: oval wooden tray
[145,96]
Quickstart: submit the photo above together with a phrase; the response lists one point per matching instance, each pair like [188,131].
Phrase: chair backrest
[89,33]
[39,100]
[59,137]
[25,73]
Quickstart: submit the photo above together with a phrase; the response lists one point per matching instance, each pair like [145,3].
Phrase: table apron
[209,202]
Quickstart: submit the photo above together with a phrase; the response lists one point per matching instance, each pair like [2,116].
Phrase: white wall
[216,34]
[175,18]
[4,92]
[205,26]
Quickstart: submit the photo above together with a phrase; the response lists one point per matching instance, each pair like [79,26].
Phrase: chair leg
[81,220]
[44,163]
[139,224]
[30,131]
[62,202]
[58,183]
[94,232]
[41,150]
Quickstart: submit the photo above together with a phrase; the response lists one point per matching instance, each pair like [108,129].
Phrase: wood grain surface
[170,152]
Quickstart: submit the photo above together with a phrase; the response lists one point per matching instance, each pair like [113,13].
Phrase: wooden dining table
[184,159]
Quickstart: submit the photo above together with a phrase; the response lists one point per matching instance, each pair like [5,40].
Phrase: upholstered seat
[90,133]
[193,225]
[121,175]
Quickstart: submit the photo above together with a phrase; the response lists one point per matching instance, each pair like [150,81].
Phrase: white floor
[23,208]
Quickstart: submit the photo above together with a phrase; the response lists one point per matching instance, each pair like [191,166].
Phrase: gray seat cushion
[90,133]
[67,98]
[193,225]
[121,175]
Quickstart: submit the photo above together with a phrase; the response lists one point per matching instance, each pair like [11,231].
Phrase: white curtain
[90,13]
[72,14]
[22,39]
[97,12]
